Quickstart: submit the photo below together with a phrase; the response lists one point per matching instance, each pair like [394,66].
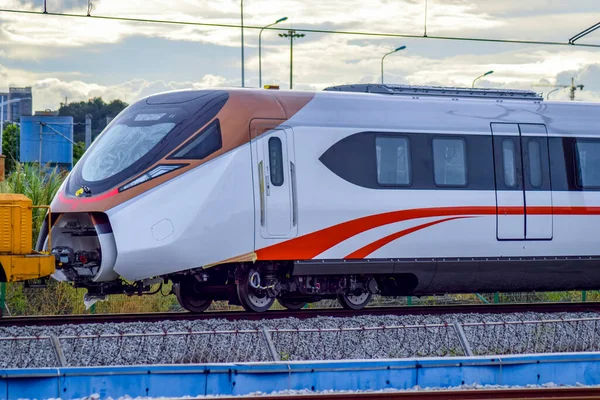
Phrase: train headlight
[153,173]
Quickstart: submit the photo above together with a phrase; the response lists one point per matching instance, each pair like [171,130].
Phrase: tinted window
[509,163]
[393,166]
[276,161]
[204,144]
[449,162]
[587,154]
[535,163]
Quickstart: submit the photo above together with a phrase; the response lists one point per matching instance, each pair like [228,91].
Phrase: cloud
[588,76]
[49,92]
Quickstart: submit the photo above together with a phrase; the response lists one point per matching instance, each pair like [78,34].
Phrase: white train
[252,195]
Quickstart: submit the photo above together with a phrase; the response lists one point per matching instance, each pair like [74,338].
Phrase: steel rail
[301,314]
[580,393]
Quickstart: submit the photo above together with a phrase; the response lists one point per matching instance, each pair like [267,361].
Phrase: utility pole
[41,133]
[572,88]
[88,130]
[291,35]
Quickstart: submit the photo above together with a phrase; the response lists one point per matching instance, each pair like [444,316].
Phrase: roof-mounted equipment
[440,91]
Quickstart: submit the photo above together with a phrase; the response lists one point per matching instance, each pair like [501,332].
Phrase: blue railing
[239,379]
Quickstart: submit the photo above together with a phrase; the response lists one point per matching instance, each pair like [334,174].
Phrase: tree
[78,150]
[97,108]
[10,146]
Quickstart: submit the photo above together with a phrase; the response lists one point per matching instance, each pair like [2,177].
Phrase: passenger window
[393,165]
[449,162]
[509,163]
[535,163]
[587,154]
[276,161]
[206,142]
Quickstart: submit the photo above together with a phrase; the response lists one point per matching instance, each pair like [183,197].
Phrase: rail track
[473,394]
[301,314]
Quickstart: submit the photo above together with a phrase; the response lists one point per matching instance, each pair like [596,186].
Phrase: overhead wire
[326,31]
[584,33]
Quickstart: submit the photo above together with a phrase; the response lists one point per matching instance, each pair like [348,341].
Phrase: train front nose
[84,247]
[138,150]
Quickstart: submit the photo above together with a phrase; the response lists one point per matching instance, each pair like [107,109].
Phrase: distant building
[20,108]
[4,97]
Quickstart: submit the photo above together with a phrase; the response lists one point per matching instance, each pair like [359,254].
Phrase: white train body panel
[212,214]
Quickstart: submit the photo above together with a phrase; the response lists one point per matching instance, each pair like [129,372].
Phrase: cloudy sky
[80,58]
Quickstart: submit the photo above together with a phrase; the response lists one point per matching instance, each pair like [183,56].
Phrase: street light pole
[387,54]
[481,76]
[291,35]
[260,49]
[2,116]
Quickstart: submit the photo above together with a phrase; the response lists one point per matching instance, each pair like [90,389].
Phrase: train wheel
[292,305]
[189,298]
[353,302]
[251,294]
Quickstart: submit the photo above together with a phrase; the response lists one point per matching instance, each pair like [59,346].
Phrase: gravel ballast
[320,338]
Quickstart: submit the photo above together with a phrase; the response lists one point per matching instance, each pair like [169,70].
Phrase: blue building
[49,138]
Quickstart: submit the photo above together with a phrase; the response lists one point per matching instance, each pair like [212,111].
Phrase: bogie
[252,294]
[352,301]
[190,296]
[257,286]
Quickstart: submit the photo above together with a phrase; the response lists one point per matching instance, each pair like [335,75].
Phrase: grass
[40,187]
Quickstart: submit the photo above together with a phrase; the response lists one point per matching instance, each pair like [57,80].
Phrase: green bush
[39,186]
[10,146]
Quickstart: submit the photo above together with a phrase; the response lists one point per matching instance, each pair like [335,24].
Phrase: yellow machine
[18,262]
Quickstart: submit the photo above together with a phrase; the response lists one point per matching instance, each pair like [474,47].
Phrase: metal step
[412,90]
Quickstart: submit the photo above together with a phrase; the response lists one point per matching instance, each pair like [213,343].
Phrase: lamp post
[260,49]
[387,54]
[2,117]
[291,35]
[481,76]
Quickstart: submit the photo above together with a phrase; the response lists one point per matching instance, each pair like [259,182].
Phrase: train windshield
[141,135]
[125,142]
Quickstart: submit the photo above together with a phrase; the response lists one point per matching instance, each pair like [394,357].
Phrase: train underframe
[256,286]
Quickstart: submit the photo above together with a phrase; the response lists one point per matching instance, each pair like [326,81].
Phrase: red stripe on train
[311,245]
[372,247]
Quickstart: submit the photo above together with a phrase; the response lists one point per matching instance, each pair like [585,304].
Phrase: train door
[277,177]
[523,192]
[536,181]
